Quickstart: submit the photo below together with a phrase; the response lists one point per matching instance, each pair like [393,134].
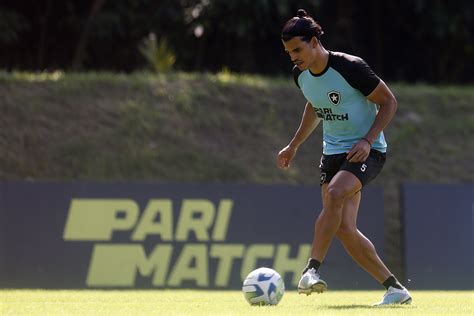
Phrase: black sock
[312,263]
[393,282]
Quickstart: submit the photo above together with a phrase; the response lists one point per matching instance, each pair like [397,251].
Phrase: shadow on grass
[354,306]
[348,306]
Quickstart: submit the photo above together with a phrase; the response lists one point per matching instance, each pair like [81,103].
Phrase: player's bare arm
[383,97]
[308,124]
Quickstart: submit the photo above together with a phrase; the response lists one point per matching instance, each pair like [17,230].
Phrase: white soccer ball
[263,286]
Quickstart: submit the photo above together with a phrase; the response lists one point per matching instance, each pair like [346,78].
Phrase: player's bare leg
[356,244]
[342,186]
[359,247]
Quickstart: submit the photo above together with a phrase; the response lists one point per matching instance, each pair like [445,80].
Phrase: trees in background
[407,40]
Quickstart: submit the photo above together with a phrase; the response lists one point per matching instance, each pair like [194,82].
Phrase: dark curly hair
[302,25]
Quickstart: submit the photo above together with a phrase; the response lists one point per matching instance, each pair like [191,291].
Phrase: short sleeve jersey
[338,95]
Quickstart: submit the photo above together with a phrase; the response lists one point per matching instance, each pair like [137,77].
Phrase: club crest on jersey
[334,97]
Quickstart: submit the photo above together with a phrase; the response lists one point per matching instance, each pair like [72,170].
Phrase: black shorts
[365,171]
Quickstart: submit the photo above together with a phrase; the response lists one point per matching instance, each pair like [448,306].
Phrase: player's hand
[359,152]
[285,156]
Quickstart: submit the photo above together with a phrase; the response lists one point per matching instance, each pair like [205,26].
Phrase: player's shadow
[353,306]
[348,306]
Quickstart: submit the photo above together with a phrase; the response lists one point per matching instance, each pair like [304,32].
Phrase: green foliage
[11,25]
[241,35]
[158,54]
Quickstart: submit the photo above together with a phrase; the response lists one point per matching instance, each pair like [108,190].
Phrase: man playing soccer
[355,105]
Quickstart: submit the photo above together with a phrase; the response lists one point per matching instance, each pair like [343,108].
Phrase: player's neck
[321,60]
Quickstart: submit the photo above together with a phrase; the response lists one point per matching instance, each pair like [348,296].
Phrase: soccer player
[355,105]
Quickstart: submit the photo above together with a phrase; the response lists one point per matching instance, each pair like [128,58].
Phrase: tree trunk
[43,35]
[378,36]
[84,38]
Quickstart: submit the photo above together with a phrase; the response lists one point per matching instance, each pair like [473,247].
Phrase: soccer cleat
[310,282]
[395,296]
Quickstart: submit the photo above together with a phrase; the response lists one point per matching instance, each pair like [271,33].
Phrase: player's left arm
[388,106]
[387,102]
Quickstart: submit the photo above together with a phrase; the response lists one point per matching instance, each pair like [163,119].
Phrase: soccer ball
[263,286]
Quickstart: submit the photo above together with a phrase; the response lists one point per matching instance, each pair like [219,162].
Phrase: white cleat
[310,282]
[395,296]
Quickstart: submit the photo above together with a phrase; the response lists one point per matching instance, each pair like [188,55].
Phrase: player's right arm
[309,122]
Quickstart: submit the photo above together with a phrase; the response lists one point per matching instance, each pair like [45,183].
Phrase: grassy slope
[41,302]
[212,128]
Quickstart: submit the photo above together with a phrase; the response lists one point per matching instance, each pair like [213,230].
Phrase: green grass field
[189,302]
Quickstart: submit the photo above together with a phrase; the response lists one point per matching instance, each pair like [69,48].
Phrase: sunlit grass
[188,302]
[32,76]
[224,76]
